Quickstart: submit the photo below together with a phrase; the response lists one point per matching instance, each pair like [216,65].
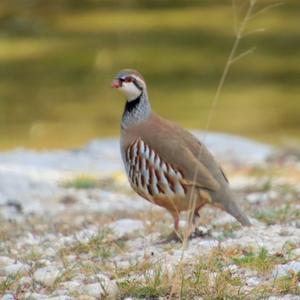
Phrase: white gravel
[124,227]
[282,270]
[47,275]
[30,185]
[31,179]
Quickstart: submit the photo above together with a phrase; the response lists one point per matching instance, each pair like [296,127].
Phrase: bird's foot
[200,232]
[172,237]
[175,236]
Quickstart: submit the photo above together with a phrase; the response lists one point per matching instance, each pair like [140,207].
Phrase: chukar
[166,164]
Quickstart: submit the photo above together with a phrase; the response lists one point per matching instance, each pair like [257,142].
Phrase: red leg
[196,231]
[174,236]
[176,223]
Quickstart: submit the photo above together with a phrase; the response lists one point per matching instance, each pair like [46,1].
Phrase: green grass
[86,181]
[150,275]
[286,213]
[283,285]
[57,61]
[99,245]
[8,282]
[188,281]
[288,283]
[262,261]
[82,182]
[151,286]
[207,276]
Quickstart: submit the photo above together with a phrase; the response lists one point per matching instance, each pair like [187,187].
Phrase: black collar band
[131,105]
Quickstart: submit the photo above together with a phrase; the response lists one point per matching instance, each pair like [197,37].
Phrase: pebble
[285,297]
[71,258]
[47,275]
[71,286]
[257,197]
[86,297]
[15,268]
[34,296]
[110,286]
[282,270]
[93,289]
[4,261]
[8,297]
[296,252]
[253,281]
[25,283]
[60,298]
[85,235]
[9,266]
[103,288]
[49,252]
[233,269]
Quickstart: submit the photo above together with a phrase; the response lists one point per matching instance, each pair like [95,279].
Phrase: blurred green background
[57,59]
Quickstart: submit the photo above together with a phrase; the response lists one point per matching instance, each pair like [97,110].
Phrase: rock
[93,289]
[50,252]
[103,288]
[15,268]
[85,235]
[253,281]
[71,258]
[8,297]
[296,253]
[71,286]
[31,239]
[68,199]
[124,227]
[86,297]
[45,262]
[47,275]
[35,296]
[25,284]
[254,198]
[60,298]
[4,262]
[285,297]
[282,270]
[223,219]
[232,269]
[110,286]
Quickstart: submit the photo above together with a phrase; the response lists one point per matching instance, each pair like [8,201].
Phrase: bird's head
[131,83]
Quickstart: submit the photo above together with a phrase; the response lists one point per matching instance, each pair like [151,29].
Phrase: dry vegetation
[228,262]
[78,253]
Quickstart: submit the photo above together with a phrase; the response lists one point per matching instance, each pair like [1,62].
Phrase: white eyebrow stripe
[136,77]
[140,81]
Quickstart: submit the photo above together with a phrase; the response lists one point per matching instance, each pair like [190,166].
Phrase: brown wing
[169,142]
[195,173]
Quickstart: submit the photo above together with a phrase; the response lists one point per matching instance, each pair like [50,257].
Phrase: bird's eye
[128,79]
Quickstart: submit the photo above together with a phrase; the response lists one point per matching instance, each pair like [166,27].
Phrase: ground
[71,228]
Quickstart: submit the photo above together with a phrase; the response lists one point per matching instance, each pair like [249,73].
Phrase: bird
[166,164]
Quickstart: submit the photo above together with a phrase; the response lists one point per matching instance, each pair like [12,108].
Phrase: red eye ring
[128,79]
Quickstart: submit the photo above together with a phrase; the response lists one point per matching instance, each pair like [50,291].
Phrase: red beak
[116,83]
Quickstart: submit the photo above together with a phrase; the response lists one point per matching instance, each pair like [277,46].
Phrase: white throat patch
[130,90]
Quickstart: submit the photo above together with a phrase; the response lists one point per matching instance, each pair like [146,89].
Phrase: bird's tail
[230,205]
